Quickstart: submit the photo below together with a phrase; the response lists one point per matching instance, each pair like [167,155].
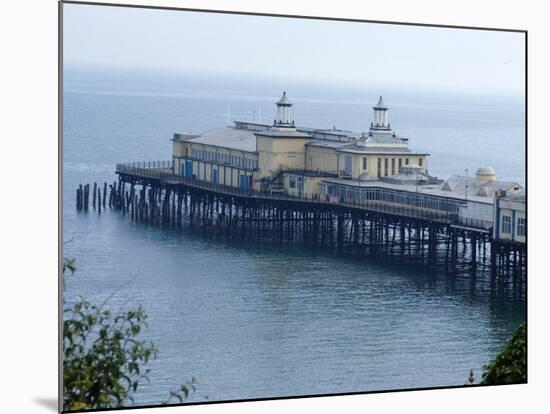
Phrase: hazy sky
[465,60]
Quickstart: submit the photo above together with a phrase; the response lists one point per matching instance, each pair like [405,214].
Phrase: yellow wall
[321,159]
[329,160]
[178,148]
[372,163]
[280,153]
[274,154]
[311,186]
[204,172]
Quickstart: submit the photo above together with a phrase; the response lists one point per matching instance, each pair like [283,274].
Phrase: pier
[151,193]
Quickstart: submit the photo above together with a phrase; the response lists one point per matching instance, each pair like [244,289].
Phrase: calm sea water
[260,321]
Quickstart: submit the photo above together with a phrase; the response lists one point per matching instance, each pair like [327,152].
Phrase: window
[301,184]
[406,161]
[400,163]
[393,166]
[385,166]
[364,163]
[521,226]
[420,161]
[347,163]
[292,181]
[506,224]
[379,167]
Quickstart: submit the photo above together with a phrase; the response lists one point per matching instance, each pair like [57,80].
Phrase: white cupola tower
[380,117]
[284,117]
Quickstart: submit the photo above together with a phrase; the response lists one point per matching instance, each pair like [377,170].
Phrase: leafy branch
[510,365]
[104,358]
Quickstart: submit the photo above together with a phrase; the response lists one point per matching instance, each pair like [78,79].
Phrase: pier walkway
[377,225]
[162,171]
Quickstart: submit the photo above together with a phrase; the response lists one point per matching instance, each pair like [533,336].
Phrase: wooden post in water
[86,196]
[94,195]
[79,198]
[473,241]
[104,193]
[340,232]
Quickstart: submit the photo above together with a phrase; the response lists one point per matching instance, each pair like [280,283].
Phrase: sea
[254,321]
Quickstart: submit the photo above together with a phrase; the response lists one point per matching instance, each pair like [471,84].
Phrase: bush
[104,359]
[510,365]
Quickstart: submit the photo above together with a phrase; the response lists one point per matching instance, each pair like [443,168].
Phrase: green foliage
[182,393]
[101,368]
[510,365]
[104,359]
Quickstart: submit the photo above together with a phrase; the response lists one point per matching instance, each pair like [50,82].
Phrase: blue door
[244,182]
[215,176]
[189,168]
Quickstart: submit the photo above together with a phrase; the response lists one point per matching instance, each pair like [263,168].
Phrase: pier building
[367,192]
[263,157]
[510,221]
[334,165]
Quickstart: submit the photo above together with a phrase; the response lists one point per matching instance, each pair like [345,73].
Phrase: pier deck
[166,177]
[151,193]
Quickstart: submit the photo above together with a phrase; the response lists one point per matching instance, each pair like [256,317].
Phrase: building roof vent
[485,175]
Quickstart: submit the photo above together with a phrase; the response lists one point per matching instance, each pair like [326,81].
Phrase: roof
[456,184]
[385,139]
[228,137]
[352,147]
[284,100]
[515,195]
[380,105]
[281,133]
[485,171]
[334,131]
[356,149]
[329,144]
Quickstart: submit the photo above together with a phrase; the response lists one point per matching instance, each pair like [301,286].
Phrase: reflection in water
[256,321]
